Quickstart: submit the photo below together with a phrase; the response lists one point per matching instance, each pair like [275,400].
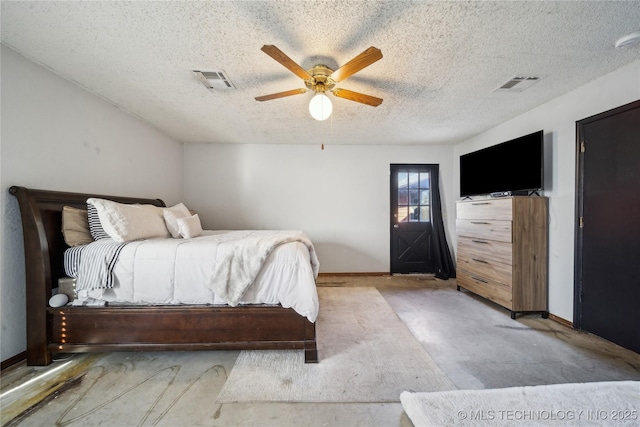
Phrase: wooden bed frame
[140,328]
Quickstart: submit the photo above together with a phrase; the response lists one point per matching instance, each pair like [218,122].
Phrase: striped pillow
[95,227]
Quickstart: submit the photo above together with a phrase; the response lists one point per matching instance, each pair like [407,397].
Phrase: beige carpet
[583,404]
[366,352]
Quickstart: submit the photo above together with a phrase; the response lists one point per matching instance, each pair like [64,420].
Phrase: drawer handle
[480,241]
[479,279]
[481,203]
[479,222]
[479,260]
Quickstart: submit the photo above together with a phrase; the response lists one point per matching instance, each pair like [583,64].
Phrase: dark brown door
[411,230]
[608,233]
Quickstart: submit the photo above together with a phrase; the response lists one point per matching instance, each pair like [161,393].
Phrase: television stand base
[514,193]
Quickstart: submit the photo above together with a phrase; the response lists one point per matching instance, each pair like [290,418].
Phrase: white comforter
[179,271]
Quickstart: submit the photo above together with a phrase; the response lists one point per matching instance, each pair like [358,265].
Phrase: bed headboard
[44,246]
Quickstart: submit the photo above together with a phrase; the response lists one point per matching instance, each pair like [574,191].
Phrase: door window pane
[403,197]
[424,197]
[414,213]
[424,214]
[414,197]
[424,180]
[414,180]
[403,213]
[403,180]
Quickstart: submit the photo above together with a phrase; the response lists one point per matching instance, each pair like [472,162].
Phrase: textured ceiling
[442,61]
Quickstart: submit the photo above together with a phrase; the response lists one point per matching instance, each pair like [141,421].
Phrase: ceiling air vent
[518,83]
[214,79]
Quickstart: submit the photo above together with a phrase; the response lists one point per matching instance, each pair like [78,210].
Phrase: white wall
[339,196]
[58,136]
[557,118]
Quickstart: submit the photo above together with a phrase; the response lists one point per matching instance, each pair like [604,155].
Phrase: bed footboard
[92,329]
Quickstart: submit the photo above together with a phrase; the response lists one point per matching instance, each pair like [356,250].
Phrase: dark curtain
[445,269]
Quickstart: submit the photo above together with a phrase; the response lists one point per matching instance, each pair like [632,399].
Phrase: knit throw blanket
[240,257]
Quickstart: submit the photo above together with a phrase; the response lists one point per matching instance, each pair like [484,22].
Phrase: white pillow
[190,226]
[124,222]
[171,216]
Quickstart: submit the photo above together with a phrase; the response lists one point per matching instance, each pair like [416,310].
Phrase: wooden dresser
[502,251]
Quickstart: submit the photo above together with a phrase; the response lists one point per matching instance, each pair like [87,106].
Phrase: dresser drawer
[493,291]
[486,269]
[483,229]
[486,209]
[487,250]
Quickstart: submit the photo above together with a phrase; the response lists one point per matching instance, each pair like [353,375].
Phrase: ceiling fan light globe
[320,107]
[628,40]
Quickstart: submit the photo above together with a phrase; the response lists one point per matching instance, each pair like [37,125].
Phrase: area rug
[599,403]
[366,352]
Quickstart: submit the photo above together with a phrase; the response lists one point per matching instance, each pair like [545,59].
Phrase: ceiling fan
[322,79]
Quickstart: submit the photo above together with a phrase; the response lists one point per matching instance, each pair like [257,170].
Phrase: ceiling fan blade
[282,58]
[357,97]
[281,94]
[361,61]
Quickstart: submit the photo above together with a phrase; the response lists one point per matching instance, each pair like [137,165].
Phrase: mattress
[177,271]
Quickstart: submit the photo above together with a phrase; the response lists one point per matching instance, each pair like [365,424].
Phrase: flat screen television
[515,166]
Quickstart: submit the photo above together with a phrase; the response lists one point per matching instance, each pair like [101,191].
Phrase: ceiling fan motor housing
[320,80]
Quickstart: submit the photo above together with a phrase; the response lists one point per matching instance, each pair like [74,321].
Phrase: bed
[79,329]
